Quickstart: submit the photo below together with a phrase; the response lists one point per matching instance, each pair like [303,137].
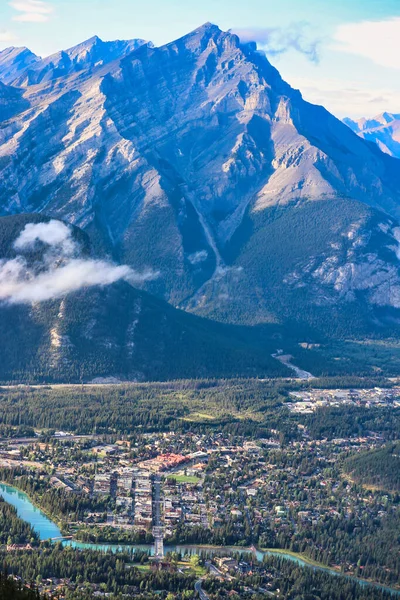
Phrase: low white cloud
[378,41]
[19,285]
[279,40]
[54,233]
[60,270]
[6,37]
[347,100]
[32,11]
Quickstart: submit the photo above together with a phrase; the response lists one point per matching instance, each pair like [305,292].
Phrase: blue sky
[344,54]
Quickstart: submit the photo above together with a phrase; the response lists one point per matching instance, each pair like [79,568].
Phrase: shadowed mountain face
[14,61]
[11,102]
[197,160]
[383,130]
[112,331]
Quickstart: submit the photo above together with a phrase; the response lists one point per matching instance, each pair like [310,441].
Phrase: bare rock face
[185,158]
[355,264]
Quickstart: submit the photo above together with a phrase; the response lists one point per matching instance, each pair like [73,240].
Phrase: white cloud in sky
[61,270]
[347,100]
[6,36]
[378,41]
[7,39]
[32,11]
[279,40]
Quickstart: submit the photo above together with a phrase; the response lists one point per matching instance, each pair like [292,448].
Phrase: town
[309,401]
[219,506]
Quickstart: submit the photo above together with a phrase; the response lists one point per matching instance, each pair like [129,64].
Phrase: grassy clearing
[142,568]
[186,478]
[189,569]
[197,417]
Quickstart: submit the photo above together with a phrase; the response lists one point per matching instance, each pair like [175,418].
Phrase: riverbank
[300,556]
[304,560]
[52,518]
[48,530]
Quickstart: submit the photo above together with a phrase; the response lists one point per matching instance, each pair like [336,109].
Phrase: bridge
[158,534]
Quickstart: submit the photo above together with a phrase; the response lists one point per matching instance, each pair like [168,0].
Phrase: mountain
[112,331]
[14,61]
[197,160]
[11,102]
[384,130]
[91,54]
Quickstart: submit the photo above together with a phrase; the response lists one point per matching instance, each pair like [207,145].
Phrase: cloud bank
[60,270]
[6,37]
[278,40]
[32,11]
[378,41]
[355,100]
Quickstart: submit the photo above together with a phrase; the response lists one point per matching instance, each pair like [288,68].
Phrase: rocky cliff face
[179,158]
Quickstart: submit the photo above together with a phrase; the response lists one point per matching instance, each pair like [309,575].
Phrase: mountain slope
[11,102]
[182,158]
[113,331]
[14,62]
[331,264]
[383,130]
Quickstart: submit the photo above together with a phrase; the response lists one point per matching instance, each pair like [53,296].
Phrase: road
[213,569]
[247,512]
[158,531]
[157,500]
[202,594]
[35,440]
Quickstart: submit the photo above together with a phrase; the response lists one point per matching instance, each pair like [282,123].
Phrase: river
[285,359]
[47,530]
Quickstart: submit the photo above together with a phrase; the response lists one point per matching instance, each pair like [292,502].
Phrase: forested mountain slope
[108,330]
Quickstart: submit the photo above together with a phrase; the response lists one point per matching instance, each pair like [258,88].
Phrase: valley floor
[284,465]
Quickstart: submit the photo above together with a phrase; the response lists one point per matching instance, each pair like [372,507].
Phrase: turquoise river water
[47,530]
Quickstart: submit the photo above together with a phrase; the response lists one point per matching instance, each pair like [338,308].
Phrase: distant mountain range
[384,130]
[198,161]
[20,67]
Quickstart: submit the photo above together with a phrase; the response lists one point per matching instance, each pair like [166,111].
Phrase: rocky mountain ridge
[189,159]
[20,67]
